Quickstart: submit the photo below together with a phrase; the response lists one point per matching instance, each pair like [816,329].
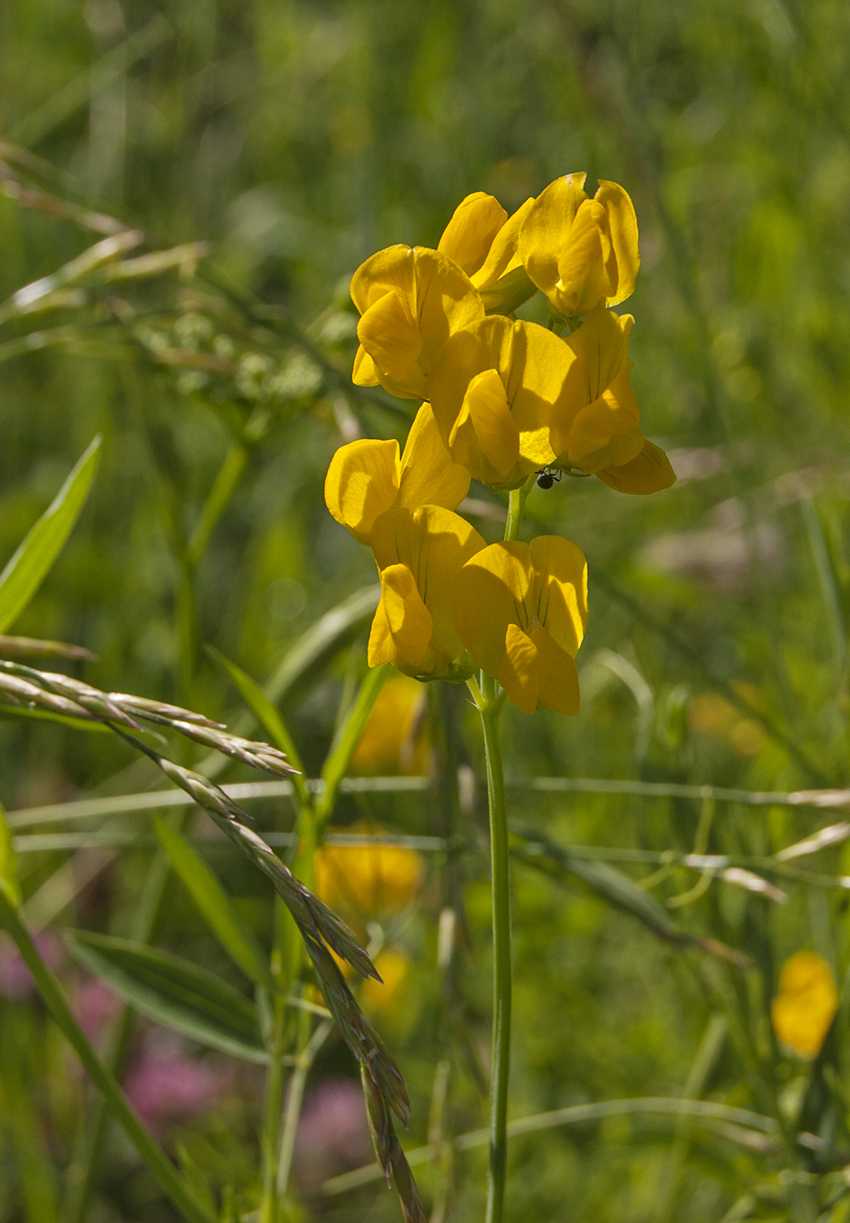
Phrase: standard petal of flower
[445,301]
[428,474]
[544,230]
[364,372]
[650,472]
[606,432]
[408,618]
[624,238]
[390,336]
[485,424]
[490,592]
[601,348]
[362,482]
[389,270]
[558,688]
[519,673]
[562,596]
[469,234]
[583,280]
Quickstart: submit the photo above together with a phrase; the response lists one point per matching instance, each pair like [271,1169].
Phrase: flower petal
[519,673]
[428,475]
[558,686]
[485,425]
[408,619]
[433,543]
[606,432]
[561,589]
[362,482]
[381,648]
[469,234]
[490,592]
[390,336]
[583,280]
[503,255]
[650,472]
[544,230]
[624,238]
[364,372]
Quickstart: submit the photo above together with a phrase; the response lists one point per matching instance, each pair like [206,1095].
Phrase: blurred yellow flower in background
[367,477]
[368,880]
[393,740]
[581,252]
[393,966]
[711,714]
[805,1006]
[410,300]
[521,611]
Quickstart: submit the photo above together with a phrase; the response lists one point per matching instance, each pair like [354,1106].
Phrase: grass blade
[174,993]
[29,566]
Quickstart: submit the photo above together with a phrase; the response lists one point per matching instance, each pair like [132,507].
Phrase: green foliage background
[296,138]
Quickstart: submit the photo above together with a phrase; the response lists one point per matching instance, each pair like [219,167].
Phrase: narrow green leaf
[612,885]
[8,861]
[174,993]
[29,566]
[266,714]
[215,906]
[342,749]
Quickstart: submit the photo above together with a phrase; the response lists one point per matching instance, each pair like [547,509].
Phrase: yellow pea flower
[410,300]
[805,1006]
[419,554]
[394,739]
[482,239]
[493,391]
[393,967]
[521,611]
[367,880]
[581,252]
[365,478]
[595,424]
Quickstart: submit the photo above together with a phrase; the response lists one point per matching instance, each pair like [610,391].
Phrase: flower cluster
[504,399]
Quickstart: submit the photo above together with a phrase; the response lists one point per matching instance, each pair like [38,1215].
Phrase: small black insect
[546,478]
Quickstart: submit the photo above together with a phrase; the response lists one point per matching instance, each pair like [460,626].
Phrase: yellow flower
[393,967]
[393,738]
[595,424]
[581,252]
[367,880]
[805,1006]
[419,554]
[521,611]
[493,391]
[410,299]
[367,477]
[482,239]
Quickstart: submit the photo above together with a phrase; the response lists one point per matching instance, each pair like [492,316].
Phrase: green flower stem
[169,1178]
[517,498]
[489,706]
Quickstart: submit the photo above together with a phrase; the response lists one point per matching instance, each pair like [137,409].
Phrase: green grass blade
[29,566]
[342,749]
[174,992]
[215,906]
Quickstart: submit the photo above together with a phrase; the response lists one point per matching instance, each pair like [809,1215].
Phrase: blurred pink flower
[333,1133]
[165,1085]
[94,1006]
[15,978]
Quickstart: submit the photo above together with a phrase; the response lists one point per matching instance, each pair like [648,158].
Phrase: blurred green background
[295,139]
